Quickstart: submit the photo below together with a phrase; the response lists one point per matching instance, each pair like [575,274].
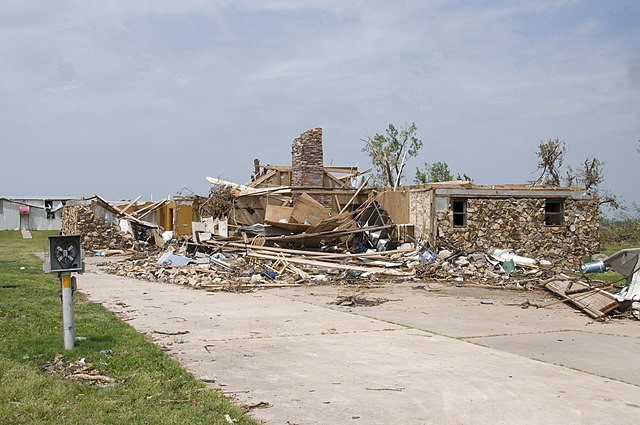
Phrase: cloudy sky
[148,97]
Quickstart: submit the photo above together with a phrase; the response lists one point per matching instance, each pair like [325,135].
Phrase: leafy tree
[390,151]
[437,172]
[550,159]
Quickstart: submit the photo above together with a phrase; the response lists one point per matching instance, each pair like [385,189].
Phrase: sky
[125,98]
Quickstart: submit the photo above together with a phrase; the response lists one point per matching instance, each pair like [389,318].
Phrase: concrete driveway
[438,355]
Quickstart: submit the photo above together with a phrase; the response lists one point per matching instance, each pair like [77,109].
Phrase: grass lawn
[611,276]
[151,387]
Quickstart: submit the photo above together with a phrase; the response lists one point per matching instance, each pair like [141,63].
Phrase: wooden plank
[596,303]
[327,235]
[130,204]
[330,178]
[277,213]
[397,205]
[318,254]
[309,210]
[329,169]
[364,183]
[257,182]
[323,264]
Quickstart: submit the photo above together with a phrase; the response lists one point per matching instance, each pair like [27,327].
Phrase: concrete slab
[217,316]
[26,234]
[405,377]
[319,365]
[460,313]
[604,355]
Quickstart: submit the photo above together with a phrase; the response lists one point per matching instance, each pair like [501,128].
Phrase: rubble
[106,233]
[306,224]
[96,234]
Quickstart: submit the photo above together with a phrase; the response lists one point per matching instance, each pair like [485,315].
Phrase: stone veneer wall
[519,224]
[420,214]
[308,163]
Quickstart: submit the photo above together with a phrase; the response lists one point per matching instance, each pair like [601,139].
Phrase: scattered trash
[171,333]
[593,267]
[358,300]
[169,258]
[78,370]
[428,256]
[509,266]
[107,352]
[259,405]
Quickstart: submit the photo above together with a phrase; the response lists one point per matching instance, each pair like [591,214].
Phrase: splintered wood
[595,302]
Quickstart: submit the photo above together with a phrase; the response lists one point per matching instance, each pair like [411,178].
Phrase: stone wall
[308,163]
[519,224]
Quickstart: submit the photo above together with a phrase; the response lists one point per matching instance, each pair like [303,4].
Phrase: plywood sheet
[397,205]
[309,210]
[274,213]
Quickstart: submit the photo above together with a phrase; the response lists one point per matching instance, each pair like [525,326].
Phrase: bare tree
[389,152]
[591,173]
[550,159]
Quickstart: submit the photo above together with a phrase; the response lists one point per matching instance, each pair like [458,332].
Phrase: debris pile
[497,268]
[78,370]
[106,229]
[97,234]
[218,203]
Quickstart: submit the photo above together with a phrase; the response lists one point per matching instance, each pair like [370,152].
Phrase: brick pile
[96,233]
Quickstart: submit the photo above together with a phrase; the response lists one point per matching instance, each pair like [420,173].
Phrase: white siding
[10,215]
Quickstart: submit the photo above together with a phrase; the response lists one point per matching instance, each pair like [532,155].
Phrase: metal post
[68,326]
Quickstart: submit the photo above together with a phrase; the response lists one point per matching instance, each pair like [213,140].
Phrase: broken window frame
[48,207]
[459,215]
[553,217]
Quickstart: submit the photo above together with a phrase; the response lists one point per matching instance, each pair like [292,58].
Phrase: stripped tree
[389,152]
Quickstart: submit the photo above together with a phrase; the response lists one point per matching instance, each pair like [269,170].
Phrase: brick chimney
[307,163]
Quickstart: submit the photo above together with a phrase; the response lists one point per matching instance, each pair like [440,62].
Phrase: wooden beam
[129,205]
[364,183]
[327,265]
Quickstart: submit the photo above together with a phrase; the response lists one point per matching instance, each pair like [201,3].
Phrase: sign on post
[66,257]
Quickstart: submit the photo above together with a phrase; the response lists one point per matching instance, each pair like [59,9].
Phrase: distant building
[32,213]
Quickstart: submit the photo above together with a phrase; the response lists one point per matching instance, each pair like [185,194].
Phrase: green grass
[610,276]
[612,248]
[152,388]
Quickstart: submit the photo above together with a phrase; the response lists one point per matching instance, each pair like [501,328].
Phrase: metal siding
[10,218]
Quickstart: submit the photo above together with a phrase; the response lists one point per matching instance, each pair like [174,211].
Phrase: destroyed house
[275,190]
[557,223]
[560,224]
